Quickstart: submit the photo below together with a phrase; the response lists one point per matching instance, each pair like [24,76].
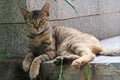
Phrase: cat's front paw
[58,60]
[62,60]
[34,69]
[26,65]
[76,64]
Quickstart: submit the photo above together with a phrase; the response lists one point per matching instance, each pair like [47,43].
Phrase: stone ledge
[102,68]
[10,69]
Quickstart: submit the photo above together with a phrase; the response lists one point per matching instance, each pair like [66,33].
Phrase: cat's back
[65,31]
[68,35]
[61,31]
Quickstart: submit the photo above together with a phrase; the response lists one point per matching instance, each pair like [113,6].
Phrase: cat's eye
[31,23]
[41,20]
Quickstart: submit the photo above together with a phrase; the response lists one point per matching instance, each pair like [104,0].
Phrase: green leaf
[56,1]
[71,4]
[4,53]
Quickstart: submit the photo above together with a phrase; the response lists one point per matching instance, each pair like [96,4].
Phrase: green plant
[89,72]
[85,72]
[70,3]
[61,71]
[4,53]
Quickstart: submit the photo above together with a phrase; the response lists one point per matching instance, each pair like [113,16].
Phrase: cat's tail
[110,52]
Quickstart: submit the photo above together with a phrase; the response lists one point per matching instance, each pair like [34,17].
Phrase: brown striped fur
[58,42]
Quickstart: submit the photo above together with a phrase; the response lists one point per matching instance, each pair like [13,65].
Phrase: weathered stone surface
[100,70]
[106,68]
[13,38]
[62,10]
[10,12]
[111,43]
[109,6]
[12,29]
[11,69]
[101,26]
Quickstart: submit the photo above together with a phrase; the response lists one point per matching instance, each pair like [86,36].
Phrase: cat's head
[37,20]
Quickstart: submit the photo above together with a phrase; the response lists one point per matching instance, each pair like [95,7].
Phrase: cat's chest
[39,50]
[37,46]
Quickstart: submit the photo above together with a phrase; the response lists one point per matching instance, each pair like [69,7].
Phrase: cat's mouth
[38,31]
[42,31]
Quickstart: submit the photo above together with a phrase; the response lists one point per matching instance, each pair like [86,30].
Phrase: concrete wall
[97,17]
[12,27]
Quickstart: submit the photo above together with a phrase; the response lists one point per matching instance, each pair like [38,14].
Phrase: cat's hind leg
[27,61]
[82,60]
[86,55]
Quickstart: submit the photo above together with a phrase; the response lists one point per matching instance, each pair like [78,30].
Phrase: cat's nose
[37,28]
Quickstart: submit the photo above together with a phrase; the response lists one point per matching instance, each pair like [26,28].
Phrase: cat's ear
[24,12]
[46,8]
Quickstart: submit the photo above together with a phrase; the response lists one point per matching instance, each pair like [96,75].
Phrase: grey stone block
[12,27]
[11,69]
[83,8]
[13,38]
[106,68]
[109,6]
[10,12]
[102,68]
[111,43]
[101,26]
[62,10]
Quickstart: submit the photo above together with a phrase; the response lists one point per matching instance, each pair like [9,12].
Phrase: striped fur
[58,42]
[41,43]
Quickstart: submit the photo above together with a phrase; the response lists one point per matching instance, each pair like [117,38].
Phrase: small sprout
[85,72]
[61,70]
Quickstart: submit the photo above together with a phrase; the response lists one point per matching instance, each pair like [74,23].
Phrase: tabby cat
[58,42]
